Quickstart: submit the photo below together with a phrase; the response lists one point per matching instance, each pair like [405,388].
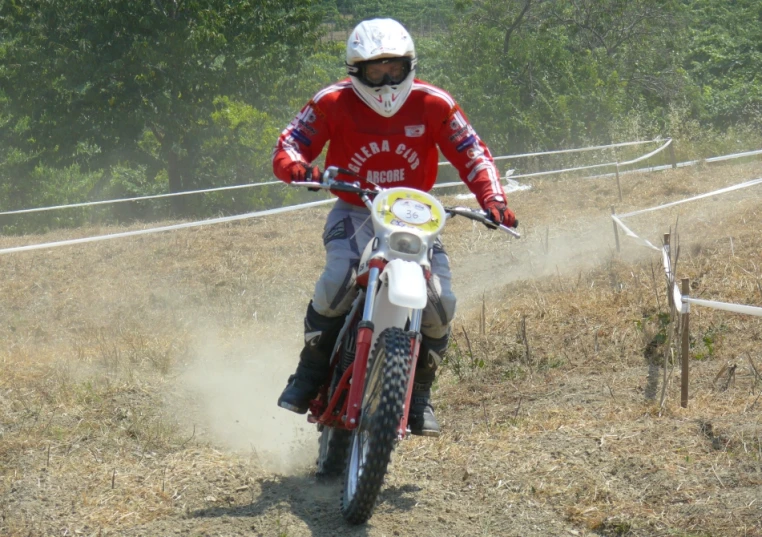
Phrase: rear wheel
[332,454]
[332,457]
[373,441]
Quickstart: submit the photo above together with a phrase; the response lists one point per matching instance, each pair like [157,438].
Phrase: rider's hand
[499,213]
[299,171]
[317,178]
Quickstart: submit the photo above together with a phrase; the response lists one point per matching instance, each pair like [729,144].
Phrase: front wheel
[374,439]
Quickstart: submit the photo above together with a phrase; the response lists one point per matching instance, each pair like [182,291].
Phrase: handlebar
[480,216]
[366,194]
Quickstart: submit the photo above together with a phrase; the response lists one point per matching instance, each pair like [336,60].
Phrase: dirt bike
[362,411]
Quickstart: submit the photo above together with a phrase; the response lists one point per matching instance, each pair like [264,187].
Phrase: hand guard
[299,171]
[499,213]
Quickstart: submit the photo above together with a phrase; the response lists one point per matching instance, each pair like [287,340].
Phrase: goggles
[384,72]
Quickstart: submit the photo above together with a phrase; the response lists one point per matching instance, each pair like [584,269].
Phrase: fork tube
[359,369]
[362,346]
[370,294]
[415,320]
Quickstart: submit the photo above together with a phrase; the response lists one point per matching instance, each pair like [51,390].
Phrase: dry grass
[552,417]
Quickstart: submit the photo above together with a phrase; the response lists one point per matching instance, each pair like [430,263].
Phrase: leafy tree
[419,16]
[725,59]
[542,73]
[88,80]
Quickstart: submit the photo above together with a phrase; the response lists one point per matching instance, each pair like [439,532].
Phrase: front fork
[360,364]
[364,338]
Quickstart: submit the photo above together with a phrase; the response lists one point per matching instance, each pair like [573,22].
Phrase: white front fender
[407,284]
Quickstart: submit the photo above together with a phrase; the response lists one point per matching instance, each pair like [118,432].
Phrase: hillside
[139,376]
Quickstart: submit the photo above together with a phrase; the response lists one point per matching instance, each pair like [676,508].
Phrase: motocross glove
[299,171]
[499,213]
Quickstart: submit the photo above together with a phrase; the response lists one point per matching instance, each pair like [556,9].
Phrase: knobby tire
[373,441]
[334,442]
[332,457]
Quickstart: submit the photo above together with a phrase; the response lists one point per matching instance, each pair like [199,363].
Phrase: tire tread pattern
[392,346]
[332,465]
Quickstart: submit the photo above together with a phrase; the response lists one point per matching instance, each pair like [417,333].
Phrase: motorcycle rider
[385,125]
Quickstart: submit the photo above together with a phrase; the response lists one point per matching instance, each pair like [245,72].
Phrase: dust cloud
[564,251]
[233,385]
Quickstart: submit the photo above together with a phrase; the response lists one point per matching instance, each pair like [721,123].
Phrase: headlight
[405,243]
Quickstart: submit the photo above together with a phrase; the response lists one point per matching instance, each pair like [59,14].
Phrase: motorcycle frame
[322,409]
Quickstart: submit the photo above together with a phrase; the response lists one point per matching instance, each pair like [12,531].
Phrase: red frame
[323,410]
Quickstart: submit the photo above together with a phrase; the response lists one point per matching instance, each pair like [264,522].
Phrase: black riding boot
[320,334]
[421,418]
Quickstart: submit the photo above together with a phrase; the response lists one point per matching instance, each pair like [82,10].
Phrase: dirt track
[141,402]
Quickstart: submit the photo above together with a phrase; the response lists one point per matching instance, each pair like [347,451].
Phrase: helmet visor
[384,72]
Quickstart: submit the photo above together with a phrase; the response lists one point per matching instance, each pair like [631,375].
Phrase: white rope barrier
[736,155]
[678,298]
[581,149]
[627,231]
[666,262]
[140,198]
[647,155]
[594,166]
[567,170]
[509,186]
[681,164]
[686,301]
[578,168]
[645,170]
[694,198]
[735,308]
[575,150]
[184,225]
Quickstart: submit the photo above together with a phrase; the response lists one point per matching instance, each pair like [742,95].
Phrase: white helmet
[381,64]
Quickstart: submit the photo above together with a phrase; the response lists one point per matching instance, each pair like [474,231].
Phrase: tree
[724,57]
[88,80]
[549,73]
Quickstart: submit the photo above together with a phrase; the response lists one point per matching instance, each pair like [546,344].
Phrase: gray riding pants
[348,229]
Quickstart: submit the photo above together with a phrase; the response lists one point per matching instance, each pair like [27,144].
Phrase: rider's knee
[335,290]
[439,312]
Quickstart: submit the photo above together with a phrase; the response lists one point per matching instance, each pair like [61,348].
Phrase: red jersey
[397,151]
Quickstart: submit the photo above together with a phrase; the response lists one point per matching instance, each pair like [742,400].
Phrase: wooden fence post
[685,351]
[616,230]
[618,185]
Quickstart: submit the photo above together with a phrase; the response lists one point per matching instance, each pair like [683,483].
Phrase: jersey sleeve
[469,155]
[302,141]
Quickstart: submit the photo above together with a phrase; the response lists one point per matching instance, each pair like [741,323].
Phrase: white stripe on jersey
[432,90]
[331,89]
[293,153]
[494,179]
[288,145]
